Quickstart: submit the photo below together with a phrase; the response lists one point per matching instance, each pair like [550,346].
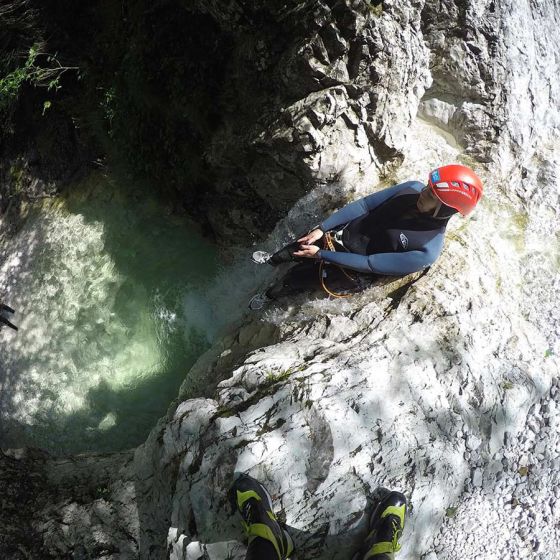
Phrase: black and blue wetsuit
[383,234]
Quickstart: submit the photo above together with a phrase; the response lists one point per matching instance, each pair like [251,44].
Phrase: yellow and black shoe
[386,525]
[254,503]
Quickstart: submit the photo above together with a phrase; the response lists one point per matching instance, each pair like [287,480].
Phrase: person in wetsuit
[392,232]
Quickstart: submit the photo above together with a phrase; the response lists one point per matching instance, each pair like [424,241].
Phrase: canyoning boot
[4,321]
[258,301]
[251,499]
[5,309]
[261,257]
[385,529]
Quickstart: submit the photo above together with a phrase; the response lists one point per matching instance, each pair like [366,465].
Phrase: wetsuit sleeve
[361,207]
[392,264]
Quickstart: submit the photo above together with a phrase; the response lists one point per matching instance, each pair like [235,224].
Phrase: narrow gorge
[251,121]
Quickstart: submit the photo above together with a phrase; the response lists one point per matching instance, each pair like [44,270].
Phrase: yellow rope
[330,245]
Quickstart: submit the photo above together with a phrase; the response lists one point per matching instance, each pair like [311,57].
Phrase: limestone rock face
[430,390]
[443,386]
[492,82]
[312,77]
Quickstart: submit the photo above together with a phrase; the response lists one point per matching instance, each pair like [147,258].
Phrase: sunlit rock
[444,386]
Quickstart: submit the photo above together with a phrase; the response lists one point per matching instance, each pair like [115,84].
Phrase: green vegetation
[507,385]
[100,74]
[278,376]
[225,412]
[102,492]
[521,220]
[108,106]
[451,512]
[35,74]
[375,7]
[17,176]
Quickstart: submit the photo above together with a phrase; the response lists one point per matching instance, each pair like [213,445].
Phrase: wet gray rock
[81,507]
[344,81]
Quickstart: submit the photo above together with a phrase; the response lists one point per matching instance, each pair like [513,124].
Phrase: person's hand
[311,237]
[309,251]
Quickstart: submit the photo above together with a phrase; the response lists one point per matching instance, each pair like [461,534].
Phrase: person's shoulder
[409,187]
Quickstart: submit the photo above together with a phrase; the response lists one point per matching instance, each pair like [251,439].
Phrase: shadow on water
[112,418]
[114,355]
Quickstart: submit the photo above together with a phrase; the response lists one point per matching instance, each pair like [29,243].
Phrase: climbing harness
[329,244]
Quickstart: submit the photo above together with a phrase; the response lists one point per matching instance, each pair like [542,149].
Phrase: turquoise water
[100,280]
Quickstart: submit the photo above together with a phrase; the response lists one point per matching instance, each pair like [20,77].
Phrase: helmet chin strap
[443,212]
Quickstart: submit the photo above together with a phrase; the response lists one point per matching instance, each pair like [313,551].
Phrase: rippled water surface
[99,279]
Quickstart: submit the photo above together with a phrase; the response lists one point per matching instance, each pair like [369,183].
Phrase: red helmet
[457,186]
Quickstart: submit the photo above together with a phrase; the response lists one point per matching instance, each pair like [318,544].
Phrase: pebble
[477,478]
[540,447]
[519,511]
[534,426]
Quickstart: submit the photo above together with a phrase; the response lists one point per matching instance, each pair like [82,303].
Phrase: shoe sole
[260,261]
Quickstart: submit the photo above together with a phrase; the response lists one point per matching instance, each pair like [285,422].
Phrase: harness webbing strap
[330,246]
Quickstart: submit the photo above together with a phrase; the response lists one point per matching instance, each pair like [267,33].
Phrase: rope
[330,246]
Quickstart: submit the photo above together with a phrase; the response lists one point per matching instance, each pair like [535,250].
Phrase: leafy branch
[37,75]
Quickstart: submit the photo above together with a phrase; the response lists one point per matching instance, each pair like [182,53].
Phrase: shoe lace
[397,532]
[247,513]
